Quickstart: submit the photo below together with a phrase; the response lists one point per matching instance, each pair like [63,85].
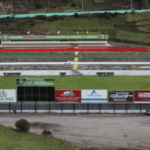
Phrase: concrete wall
[84,72]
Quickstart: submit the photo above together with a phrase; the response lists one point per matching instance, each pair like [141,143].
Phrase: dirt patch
[40,125]
[122,132]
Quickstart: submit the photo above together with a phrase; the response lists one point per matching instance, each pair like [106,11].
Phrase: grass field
[12,140]
[87,82]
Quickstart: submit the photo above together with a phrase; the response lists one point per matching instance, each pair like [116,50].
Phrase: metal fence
[74,108]
[70,14]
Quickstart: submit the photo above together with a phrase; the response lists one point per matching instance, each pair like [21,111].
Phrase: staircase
[77,73]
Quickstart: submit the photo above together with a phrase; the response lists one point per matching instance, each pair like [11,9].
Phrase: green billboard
[48,37]
[37,81]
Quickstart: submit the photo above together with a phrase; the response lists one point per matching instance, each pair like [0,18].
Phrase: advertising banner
[94,96]
[142,96]
[141,67]
[33,81]
[16,74]
[7,95]
[68,96]
[26,37]
[121,96]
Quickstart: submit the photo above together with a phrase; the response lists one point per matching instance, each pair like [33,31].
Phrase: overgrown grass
[138,16]
[90,6]
[12,140]
[134,36]
[54,10]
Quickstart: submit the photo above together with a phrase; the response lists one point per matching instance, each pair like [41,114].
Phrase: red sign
[142,96]
[41,37]
[28,37]
[68,96]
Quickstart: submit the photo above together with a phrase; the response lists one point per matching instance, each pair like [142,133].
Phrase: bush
[94,15]
[55,17]
[76,15]
[38,4]
[22,125]
[45,132]
[50,19]
[132,12]
[61,17]
[73,5]
[32,24]
[40,17]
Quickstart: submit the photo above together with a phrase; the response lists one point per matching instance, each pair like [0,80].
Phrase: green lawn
[87,82]
[12,140]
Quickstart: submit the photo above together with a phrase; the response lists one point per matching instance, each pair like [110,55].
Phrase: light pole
[11,7]
[82,5]
[131,4]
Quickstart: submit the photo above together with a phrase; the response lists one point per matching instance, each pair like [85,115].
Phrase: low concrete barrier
[84,72]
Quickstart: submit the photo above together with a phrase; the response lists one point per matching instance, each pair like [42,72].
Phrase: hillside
[47,6]
[128,26]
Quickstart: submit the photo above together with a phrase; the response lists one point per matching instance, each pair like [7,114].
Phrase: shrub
[38,4]
[22,125]
[45,132]
[40,17]
[55,17]
[76,15]
[50,19]
[132,12]
[32,24]
[94,15]
[73,5]
[62,17]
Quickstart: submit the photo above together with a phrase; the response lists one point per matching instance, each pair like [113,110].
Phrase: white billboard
[7,95]
[94,96]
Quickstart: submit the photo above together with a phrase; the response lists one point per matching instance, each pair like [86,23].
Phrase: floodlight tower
[11,7]
[82,5]
[131,4]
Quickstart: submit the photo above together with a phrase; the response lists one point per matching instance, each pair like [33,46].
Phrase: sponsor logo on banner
[142,96]
[94,96]
[5,37]
[121,96]
[7,95]
[32,81]
[68,95]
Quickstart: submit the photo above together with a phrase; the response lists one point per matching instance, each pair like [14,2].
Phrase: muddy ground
[108,132]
